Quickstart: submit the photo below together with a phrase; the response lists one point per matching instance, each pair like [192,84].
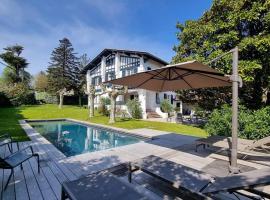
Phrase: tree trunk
[91,98]
[80,100]
[113,108]
[267,98]
[61,99]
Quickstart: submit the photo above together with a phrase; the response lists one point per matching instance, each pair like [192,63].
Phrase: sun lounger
[225,142]
[196,182]
[102,185]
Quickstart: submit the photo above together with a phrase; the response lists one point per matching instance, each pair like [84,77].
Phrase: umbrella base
[234,170]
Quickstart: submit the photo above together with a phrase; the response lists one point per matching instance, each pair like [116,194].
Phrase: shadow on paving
[172,140]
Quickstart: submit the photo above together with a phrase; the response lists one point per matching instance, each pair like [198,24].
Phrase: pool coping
[101,126]
[35,136]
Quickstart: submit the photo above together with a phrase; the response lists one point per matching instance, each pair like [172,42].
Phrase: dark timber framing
[107,52]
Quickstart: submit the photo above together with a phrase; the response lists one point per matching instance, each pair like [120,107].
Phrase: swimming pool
[73,138]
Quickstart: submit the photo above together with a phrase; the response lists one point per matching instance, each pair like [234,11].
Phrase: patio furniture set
[191,183]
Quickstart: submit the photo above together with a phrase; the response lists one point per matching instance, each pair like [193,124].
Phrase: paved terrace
[57,168]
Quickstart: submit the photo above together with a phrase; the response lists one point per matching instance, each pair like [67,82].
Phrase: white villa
[115,63]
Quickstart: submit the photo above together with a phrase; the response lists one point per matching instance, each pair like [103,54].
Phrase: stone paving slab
[146,132]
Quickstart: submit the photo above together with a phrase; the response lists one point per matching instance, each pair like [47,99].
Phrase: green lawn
[9,120]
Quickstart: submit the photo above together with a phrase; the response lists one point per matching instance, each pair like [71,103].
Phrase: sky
[92,25]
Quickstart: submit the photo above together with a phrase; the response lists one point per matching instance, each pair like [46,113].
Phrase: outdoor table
[102,185]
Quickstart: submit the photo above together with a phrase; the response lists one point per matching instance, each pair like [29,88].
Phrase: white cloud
[108,8]
[84,37]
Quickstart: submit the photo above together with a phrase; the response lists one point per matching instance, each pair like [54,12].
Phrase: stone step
[152,114]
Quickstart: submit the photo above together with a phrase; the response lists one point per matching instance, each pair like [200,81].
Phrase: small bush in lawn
[252,124]
[134,108]
[166,107]
[102,108]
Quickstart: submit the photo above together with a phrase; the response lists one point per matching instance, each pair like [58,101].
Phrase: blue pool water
[73,139]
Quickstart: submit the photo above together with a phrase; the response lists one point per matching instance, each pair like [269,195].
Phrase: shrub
[19,94]
[134,108]
[122,113]
[252,124]
[4,100]
[102,108]
[44,97]
[166,107]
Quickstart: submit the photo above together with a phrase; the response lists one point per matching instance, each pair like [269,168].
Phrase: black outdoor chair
[6,139]
[16,159]
[179,118]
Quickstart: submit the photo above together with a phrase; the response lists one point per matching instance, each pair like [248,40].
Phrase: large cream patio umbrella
[190,75]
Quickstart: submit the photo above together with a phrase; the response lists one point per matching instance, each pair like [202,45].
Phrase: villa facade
[115,63]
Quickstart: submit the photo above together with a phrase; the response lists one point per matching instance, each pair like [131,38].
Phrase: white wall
[147,98]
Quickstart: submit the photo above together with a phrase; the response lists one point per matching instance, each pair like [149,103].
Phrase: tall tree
[16,63]
[41,82]
[62,70]
[230,23]
[80,77]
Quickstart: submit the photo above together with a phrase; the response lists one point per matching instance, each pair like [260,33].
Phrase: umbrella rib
[149,78]
[156,75]
[213,77]
[164,80]
[182,77]
[198,71]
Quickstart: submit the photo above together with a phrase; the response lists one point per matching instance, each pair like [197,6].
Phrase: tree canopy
[80,77]
[63,67]
[229,23]
[41,82]
[15,62]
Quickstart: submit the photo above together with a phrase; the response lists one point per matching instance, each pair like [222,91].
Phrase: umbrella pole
[235,80]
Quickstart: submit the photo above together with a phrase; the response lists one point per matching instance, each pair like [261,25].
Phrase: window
[171,99]
[96,75]
[157,98]
[109,76]
[96,80]
[129,65]
[165,96]
[149,68]
[96,71]
[110,60]
[110,68]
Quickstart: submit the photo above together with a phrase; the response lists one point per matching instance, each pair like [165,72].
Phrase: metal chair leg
[10,148]
[18,148]
[129,172]
[38,162]
[11,173]
[63,194]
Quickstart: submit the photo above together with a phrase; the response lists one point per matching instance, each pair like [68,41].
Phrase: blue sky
[92,25]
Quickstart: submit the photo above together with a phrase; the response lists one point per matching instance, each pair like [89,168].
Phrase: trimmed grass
[9,120]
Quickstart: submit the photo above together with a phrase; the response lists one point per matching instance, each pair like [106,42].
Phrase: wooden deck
[28,184]
[56,168]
